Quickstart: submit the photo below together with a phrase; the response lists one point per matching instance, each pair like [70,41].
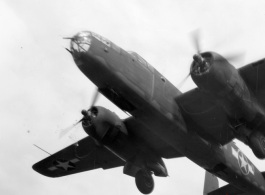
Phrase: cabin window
[142,61]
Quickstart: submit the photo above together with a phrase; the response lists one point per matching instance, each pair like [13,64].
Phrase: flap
[78,158]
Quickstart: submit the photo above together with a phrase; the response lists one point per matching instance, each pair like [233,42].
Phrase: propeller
[86,115]
[195,40]
[183,81]
[63,132]
[234,57]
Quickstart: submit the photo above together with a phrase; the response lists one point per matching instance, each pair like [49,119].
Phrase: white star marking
[245,165]
[64,165]
[243,162]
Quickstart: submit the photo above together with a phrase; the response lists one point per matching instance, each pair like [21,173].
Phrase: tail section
[210,183]
[211,187]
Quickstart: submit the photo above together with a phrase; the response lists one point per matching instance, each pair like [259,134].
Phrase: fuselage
[150,99]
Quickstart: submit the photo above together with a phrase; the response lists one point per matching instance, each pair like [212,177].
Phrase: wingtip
[41,170]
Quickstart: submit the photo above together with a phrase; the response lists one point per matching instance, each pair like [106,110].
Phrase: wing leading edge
[78,158]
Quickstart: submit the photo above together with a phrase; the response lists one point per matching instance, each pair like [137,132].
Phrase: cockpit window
[132,53]
[81,42]
[142,61]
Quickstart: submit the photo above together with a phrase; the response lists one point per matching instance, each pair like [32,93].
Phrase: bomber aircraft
[199,124]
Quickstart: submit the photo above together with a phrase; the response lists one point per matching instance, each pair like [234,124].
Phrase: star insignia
[64,165]
[243,163]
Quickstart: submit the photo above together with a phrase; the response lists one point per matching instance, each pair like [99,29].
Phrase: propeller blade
[195,39]
[95,98]
[183,81]
[236,57]
[65,131]
[86,114]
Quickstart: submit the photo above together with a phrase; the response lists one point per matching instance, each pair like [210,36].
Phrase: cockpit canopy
[81,42]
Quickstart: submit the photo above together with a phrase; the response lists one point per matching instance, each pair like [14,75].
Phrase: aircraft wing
[74,159]
[88,156]
[147,138]
[199,110]
[253,75]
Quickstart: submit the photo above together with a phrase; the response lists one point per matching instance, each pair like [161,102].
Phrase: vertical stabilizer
[210,183]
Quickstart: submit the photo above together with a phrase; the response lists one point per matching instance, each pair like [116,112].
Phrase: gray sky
[42,91]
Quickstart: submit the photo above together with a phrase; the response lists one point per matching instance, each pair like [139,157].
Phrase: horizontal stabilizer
[210,183]
[228,189]
[211,187]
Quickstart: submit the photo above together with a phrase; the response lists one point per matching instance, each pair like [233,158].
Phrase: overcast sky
[42,91]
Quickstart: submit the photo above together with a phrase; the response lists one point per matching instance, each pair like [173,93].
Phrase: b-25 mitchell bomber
[199,124]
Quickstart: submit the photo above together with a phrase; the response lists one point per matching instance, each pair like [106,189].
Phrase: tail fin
[210,183]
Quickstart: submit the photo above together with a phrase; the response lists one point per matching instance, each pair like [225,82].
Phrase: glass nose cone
[81,42]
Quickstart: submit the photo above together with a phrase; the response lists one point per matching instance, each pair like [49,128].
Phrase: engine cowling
[214,74]
[103,125]
[109,131]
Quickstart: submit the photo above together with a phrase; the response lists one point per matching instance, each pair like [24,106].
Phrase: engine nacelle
[214,74]
[103,125]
